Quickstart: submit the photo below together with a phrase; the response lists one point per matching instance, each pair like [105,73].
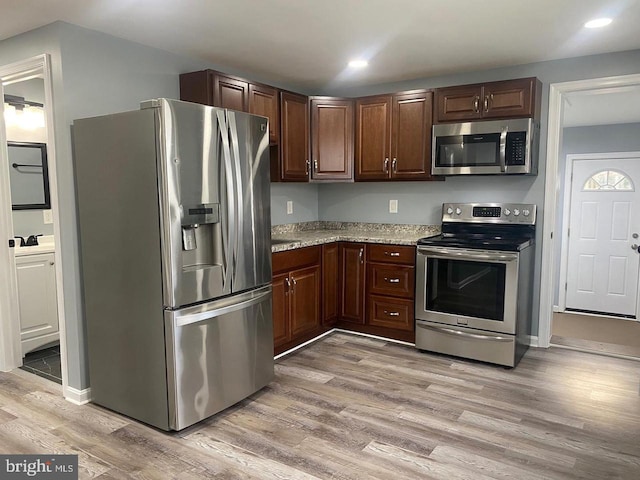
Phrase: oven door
[467,287]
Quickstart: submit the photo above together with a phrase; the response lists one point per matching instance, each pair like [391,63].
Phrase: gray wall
[624,137]
[30,222]
[304,198]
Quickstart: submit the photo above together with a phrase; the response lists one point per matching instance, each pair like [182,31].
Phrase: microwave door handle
[503,149]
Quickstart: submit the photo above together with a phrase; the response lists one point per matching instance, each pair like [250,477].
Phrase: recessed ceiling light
[598,22]
[358,63]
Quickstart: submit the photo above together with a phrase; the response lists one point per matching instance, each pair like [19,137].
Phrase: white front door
[604,225]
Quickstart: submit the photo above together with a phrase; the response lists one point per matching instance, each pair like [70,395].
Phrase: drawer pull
[392,314]
[391,280]
[392,254]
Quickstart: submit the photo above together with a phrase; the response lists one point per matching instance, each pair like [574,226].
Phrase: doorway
[590,296]
[31,290]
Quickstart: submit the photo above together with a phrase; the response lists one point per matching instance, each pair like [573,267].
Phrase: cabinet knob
[392,254]
[307,164]
[392,280]
[315,165]
[486,103]
[361,255]
[394,165]
[51,262]
[392,314]
[386,165]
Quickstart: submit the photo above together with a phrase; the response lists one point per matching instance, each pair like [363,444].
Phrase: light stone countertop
[299,235]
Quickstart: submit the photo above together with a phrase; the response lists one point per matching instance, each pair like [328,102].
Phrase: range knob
[526,212]
[506,212]
[516,212]
[449,210]
[458,211]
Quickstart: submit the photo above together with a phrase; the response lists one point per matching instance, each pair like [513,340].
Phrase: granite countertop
[299,235]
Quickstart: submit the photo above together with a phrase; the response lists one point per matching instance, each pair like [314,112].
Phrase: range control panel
[518,213]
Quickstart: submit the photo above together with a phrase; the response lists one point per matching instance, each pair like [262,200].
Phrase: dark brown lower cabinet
[296,297]
[352,277]
[330,284]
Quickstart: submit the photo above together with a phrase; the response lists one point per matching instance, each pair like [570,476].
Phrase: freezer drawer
[217,354]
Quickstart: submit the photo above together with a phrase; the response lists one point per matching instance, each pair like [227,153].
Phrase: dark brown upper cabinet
[505,99]
[263,100]
[332,139]
[393,136]
[220,90]
[294,137]
[373,137]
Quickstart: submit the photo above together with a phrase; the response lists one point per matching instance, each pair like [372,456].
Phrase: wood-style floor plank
[351,407]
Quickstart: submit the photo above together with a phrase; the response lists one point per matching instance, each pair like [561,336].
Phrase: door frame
[11,354]
[557,98]
[564,249]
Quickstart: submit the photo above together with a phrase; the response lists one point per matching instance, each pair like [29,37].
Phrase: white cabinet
[37,300]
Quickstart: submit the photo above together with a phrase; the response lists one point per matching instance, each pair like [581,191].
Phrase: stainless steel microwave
[501,147]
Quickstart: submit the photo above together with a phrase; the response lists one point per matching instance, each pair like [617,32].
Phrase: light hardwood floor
[350,407]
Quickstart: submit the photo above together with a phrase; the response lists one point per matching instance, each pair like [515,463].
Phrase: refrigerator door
[217,354]
[197,240]
[249,148]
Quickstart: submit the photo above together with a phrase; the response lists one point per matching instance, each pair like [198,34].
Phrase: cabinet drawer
[293,259]
[394,313]
[402,255]
[392,280]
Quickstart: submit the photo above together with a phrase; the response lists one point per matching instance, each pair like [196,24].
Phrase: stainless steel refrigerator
[174,219]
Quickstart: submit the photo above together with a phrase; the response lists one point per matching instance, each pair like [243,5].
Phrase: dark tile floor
[44,363]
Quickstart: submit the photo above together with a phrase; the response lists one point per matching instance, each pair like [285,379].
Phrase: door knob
[634,247]
[634,235]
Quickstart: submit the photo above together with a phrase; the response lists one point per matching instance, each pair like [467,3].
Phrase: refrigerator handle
[229,235]
[190,319]
[235,151]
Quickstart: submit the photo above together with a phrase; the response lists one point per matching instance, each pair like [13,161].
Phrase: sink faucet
[32,241]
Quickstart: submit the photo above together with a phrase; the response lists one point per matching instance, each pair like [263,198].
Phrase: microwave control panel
[516,149]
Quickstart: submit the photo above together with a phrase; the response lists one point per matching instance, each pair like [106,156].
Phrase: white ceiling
[307,43]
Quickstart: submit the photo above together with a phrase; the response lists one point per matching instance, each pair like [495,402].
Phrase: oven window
[460,287]
[468,150]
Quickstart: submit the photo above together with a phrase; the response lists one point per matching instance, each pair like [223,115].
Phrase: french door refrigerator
[174,220]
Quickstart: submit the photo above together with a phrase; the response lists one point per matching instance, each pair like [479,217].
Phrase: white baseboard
[298,347]
[77,397]
[533,341]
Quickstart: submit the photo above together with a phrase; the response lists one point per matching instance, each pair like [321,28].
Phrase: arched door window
[607,180]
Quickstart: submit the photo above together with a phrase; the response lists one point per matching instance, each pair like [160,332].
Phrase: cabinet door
[304,298]
[352,269]
[455,104]
[280,312]
[229,92]
[329,283]
[263,100]
[373,137]
[332,139]
[37,299]
[294,137]
[511,98]
[411,141]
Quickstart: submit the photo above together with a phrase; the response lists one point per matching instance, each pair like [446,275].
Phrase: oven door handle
[457,254]
[459,333]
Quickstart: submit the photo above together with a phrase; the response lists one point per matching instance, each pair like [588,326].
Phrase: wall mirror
[29,176]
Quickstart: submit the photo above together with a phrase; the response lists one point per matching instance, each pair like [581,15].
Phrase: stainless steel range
[474,282]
